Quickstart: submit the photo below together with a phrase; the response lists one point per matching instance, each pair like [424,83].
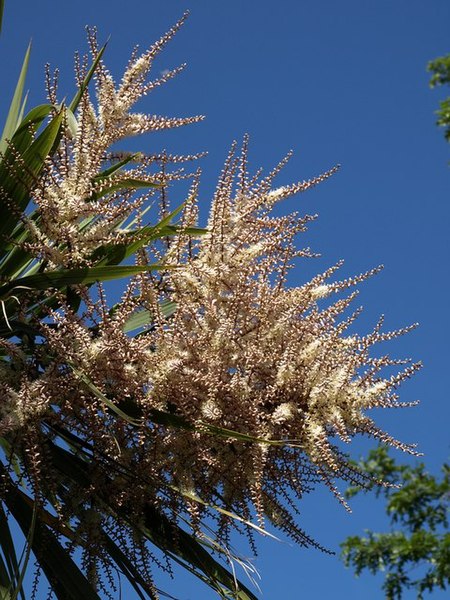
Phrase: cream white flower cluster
[80,209]
[263,375]
[238,396]
[248,353]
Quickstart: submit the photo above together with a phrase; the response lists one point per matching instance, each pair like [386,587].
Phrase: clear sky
[337,82]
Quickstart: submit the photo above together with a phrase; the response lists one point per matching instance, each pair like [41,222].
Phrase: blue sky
[337,82]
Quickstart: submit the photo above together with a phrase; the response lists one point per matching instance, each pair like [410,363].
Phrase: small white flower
[321,291]
[284,412]
[275,194]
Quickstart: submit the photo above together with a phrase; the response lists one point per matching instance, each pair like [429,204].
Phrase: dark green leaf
[9,578]
[125,565]
[183,547]
[63,278]
[186,550]
[67,580]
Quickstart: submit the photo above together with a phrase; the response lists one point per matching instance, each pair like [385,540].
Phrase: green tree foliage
[415,552]
[440,69]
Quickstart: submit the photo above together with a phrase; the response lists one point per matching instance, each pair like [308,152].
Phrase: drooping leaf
[18,589]
[185,549]
[68,581]
[10,565]
[173,420]
[164,533]
[17,329]
[126,566]
[101,396]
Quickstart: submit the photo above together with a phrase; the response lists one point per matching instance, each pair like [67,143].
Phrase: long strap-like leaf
[160,530]
[16,104]
[64,277]
[77,98]
[66,578]
[18,175]
[9,571]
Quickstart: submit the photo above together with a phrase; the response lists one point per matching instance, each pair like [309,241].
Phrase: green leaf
[16,103]
[164,533]
[126,567]
[10,568]
[24,134]
[16,262]
[185,549]
[114,254]
[2,6]
[25,555]
[18,177]
[101,396]
[16,258]
[172,420]
[64,277]
[67,579]
[223,511]
[22,109]
[18,328]
[115,167]
[142,318]
[77,98]
[5,584]
[121,184]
